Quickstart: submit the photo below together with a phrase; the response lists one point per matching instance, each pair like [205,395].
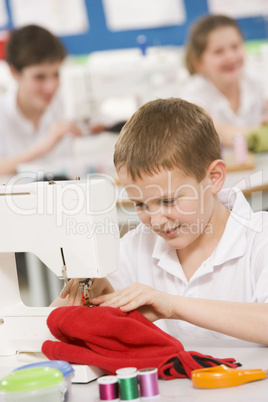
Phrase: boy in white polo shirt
[198,262]
[33,122]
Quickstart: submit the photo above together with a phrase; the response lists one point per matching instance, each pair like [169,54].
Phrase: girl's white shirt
[201,91]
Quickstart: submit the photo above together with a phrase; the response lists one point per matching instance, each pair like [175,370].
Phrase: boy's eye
[168,202]
[140,205]
[235,47]
[40,77]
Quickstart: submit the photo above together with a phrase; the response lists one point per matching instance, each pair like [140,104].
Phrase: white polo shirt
[17,133]
[236,271]
[204,93]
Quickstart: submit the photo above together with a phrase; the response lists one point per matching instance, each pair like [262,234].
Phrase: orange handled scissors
[223,376]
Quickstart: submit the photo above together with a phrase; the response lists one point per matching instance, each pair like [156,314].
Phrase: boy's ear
[217,174]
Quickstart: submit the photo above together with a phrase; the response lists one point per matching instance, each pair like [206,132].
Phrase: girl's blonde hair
[198,38]
[167,133]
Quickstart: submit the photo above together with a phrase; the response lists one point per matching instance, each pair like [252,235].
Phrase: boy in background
[197,263]
[32,117]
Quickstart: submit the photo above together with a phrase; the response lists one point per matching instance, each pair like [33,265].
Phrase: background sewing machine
[72,227]
[113,84]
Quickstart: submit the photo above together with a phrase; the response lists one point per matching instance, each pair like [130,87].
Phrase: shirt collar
[167,259]
[233,241]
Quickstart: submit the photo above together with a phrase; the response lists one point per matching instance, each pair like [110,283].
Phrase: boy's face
[223,58]
[173,205]
[37,84]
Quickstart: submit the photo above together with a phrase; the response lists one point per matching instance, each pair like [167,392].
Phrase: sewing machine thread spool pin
[64,273]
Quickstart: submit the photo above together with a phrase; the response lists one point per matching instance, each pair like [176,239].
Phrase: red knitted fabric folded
[110,339]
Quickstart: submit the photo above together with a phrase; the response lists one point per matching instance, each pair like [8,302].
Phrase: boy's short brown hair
[32,45]
[168,133]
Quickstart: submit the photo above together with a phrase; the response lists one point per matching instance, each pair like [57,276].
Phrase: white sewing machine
[116,82]
[72,227]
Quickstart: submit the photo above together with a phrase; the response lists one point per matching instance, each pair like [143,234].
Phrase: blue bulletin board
[98,37]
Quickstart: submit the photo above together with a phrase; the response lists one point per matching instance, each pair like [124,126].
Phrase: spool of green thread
[128,384]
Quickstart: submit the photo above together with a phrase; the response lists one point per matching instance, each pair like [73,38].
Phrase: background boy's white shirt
[203,92]
[17,133]
[236,271]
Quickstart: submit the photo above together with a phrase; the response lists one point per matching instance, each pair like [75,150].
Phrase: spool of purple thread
[108,388]
[148,381]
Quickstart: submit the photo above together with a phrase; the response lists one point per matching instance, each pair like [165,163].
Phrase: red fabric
[107,338]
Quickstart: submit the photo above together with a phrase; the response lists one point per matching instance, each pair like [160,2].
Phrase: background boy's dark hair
[168,133]
[198,38]
[32,45]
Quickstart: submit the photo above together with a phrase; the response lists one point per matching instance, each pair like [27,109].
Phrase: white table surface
[182,390]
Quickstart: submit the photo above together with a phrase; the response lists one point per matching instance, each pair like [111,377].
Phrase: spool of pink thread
[108,388]
[240,149]
[148,381]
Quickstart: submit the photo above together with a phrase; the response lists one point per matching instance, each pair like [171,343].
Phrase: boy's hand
[57,132]
[73,292]
[152,303]
[99,287]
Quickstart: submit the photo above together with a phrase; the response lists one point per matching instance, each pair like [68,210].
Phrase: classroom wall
[98,37]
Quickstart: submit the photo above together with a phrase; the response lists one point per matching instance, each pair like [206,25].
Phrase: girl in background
[219,81]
